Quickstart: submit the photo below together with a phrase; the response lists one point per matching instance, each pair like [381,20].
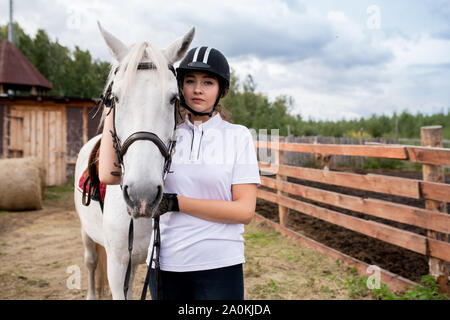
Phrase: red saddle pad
[102,186]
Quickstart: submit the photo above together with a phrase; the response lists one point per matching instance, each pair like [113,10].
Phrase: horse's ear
[178,48]
[118,49]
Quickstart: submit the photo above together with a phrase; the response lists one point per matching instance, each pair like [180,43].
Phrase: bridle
[109,100]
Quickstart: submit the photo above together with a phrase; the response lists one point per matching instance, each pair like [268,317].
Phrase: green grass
[56,192]
[261,238]
[427,289]
[391,164]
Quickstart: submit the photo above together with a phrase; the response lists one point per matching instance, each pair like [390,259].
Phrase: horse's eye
[174,99]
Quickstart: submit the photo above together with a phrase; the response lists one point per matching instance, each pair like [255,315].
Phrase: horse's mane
[124,72]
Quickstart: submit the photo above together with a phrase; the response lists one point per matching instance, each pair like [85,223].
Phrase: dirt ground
[41,250]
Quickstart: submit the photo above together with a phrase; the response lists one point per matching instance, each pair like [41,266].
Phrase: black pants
[216,284]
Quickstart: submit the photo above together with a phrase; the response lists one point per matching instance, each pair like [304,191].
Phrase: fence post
[396,131]
[361,141]
[283,212]
[431,136]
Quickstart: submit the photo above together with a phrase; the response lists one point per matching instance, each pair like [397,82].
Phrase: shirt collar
[211,123]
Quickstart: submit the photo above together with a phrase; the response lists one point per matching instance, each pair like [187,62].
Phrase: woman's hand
[169,202]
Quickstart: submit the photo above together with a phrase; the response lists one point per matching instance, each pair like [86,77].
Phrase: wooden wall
[51,130]
[80,128]
[3,130]
[39,132]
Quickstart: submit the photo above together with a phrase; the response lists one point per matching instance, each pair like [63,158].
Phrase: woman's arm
[107,155]
[240,210]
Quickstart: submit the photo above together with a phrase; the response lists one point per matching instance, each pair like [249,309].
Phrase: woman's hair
[224,113]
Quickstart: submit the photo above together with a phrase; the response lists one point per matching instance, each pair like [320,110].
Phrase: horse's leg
[130,285]
[116,275]
[90,258]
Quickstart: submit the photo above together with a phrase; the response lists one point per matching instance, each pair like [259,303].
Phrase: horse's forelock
[125,71]
[128,67]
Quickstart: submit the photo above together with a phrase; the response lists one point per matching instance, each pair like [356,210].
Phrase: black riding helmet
[205,59]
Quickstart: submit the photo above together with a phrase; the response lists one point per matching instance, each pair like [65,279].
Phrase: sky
[336,59]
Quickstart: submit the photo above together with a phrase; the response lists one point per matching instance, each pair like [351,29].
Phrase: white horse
[145,103]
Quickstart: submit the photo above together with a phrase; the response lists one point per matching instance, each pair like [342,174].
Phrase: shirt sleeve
[245,169]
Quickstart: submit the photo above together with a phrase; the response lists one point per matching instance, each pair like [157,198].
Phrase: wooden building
[51,128]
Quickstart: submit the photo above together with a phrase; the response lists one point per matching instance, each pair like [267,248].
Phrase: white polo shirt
[208,159]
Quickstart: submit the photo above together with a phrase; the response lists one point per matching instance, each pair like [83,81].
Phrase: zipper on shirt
[199,145]
[192,142]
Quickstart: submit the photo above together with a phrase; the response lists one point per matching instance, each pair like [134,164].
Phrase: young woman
[213,175]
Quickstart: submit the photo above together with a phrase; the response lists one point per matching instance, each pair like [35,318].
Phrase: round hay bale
[20,187]
[42,171]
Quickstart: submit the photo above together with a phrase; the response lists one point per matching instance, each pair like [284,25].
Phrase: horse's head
[145,91]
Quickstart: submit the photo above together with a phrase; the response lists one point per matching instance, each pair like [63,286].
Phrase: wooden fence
[433,218]
[342,160]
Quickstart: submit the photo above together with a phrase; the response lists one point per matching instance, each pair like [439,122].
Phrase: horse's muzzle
[142,208]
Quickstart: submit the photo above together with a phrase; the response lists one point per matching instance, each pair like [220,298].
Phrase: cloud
[286,31]
[352,46]
[264,29]
[322,53]
[440,11]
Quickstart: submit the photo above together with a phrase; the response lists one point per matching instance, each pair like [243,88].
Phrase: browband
[151,65]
